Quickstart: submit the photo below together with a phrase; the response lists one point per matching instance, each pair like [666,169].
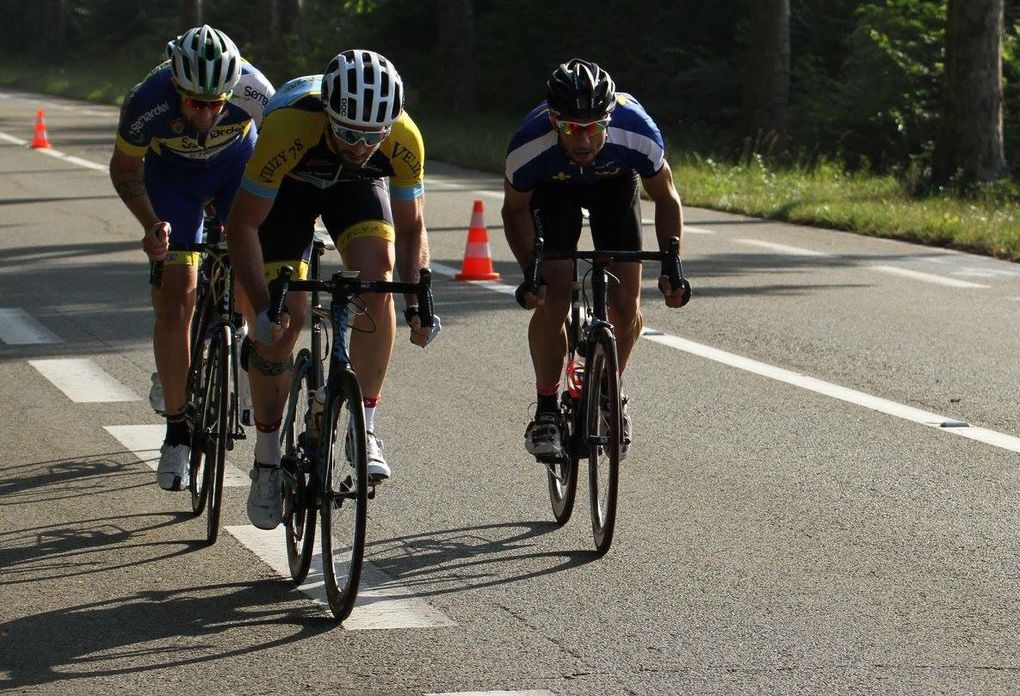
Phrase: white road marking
[74,160]
[926,277]
[892,408]
[144,442]
[83,381]
[949,425]
[783,248]
[533,692]
[57,154]
[382,603]
[12,140]
[692,229]
[18,327]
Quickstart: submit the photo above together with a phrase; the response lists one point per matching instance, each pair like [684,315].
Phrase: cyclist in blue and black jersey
[185,134]
[584,147]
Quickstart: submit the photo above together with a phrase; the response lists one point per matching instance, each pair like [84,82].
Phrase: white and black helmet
[362,89]
[204,61]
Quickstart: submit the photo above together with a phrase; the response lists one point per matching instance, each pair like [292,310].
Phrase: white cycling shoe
[378,469]
[265,499]
[174,470]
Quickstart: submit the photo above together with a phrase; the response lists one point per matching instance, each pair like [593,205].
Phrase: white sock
[267,446]
[370,418]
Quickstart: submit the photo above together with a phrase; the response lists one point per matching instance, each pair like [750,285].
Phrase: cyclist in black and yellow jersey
[327,145]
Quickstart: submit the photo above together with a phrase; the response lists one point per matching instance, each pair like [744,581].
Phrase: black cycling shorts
[349,209]
[614,208]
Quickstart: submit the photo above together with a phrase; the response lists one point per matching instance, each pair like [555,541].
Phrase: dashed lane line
[18,327]
[927,277]
[82,380]
[382,603]
[144,442]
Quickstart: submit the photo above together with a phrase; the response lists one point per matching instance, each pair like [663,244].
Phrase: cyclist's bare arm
[669,222]
[246,215]
[518,225]
[412,244]
[412,251]
[669,218]
[127,173]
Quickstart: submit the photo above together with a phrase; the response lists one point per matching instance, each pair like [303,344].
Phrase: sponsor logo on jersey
[256,95]
[278,160]
[404,155]
[606,171]
[562,176]
[152,113]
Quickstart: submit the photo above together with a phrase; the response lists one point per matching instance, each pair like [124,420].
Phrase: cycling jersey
[152,124]
[633,144]
[292,143]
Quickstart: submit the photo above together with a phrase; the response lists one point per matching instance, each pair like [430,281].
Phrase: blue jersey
[633,144]
[152,124]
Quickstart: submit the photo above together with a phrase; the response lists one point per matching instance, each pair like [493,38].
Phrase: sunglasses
[197,103]
[572,128]
[352,136]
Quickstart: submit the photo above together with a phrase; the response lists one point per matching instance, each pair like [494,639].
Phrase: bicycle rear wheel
[298,496]
[603,428]
[216,423]
[344,506]
[562,473]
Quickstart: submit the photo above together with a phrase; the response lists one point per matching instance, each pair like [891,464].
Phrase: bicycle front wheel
[603,427]
[298,496]
[216,423]
[197,388]
[562,473]
[344,505]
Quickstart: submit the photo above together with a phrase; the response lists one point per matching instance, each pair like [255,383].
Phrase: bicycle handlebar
[342,284]
[672,266]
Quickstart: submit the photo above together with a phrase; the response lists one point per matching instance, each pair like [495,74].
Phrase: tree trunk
[456,51]
[970,139]
[54,34]
[287,16]
[767,76]
[191,14]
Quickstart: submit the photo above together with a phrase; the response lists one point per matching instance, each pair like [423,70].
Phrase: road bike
[211,394]
[591,407]
[324,464]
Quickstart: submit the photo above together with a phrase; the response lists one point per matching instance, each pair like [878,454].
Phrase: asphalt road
[821,496]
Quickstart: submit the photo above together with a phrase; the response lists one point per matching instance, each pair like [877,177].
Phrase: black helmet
[580,89]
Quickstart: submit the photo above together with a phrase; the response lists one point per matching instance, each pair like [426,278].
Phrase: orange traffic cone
[477,259]
[40,139]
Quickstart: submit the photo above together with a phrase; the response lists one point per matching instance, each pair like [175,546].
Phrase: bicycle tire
[344,505]
[298,496]
[198,382]
[603,433]
[562,474]
[218,434]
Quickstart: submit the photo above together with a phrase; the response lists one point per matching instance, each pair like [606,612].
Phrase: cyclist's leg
[360,220]
[285,237]
[558,216]
[616,224]
[174,200]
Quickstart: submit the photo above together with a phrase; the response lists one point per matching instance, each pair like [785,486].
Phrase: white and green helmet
[204,61]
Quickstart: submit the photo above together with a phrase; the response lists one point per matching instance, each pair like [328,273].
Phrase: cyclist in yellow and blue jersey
[184,136]
[327,147]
